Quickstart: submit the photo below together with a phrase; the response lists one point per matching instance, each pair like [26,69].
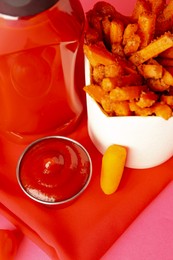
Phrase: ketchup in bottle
[39,44]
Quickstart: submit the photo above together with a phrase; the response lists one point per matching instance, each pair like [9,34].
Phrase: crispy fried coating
[147,99]
[131,40]
[95,91]
[146,25]
[126,93]
[121,108]
[138,111]
[131,58]
[167,100]
[164,20]
[153,49]
[162,110]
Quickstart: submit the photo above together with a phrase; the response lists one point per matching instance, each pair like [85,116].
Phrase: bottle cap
[21,8]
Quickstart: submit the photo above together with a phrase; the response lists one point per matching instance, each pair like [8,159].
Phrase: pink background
[123,6]
[149,237]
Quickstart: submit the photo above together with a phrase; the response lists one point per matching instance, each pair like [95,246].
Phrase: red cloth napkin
[87,228]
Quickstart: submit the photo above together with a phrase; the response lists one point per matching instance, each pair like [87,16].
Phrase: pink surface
[150,236]
[27,250]
[123,6]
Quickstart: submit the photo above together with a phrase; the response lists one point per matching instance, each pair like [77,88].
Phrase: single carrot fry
[113,163]
[153,49]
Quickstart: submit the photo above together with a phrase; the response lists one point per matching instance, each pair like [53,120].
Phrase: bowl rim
[54,203]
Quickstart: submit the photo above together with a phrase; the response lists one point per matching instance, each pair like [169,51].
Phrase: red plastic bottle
[38,49]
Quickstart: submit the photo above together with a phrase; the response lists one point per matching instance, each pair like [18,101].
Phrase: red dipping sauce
[54,170]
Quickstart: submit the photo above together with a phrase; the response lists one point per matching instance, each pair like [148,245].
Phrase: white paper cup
[149,140]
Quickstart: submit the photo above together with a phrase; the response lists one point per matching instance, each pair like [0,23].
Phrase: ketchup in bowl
[54,170]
